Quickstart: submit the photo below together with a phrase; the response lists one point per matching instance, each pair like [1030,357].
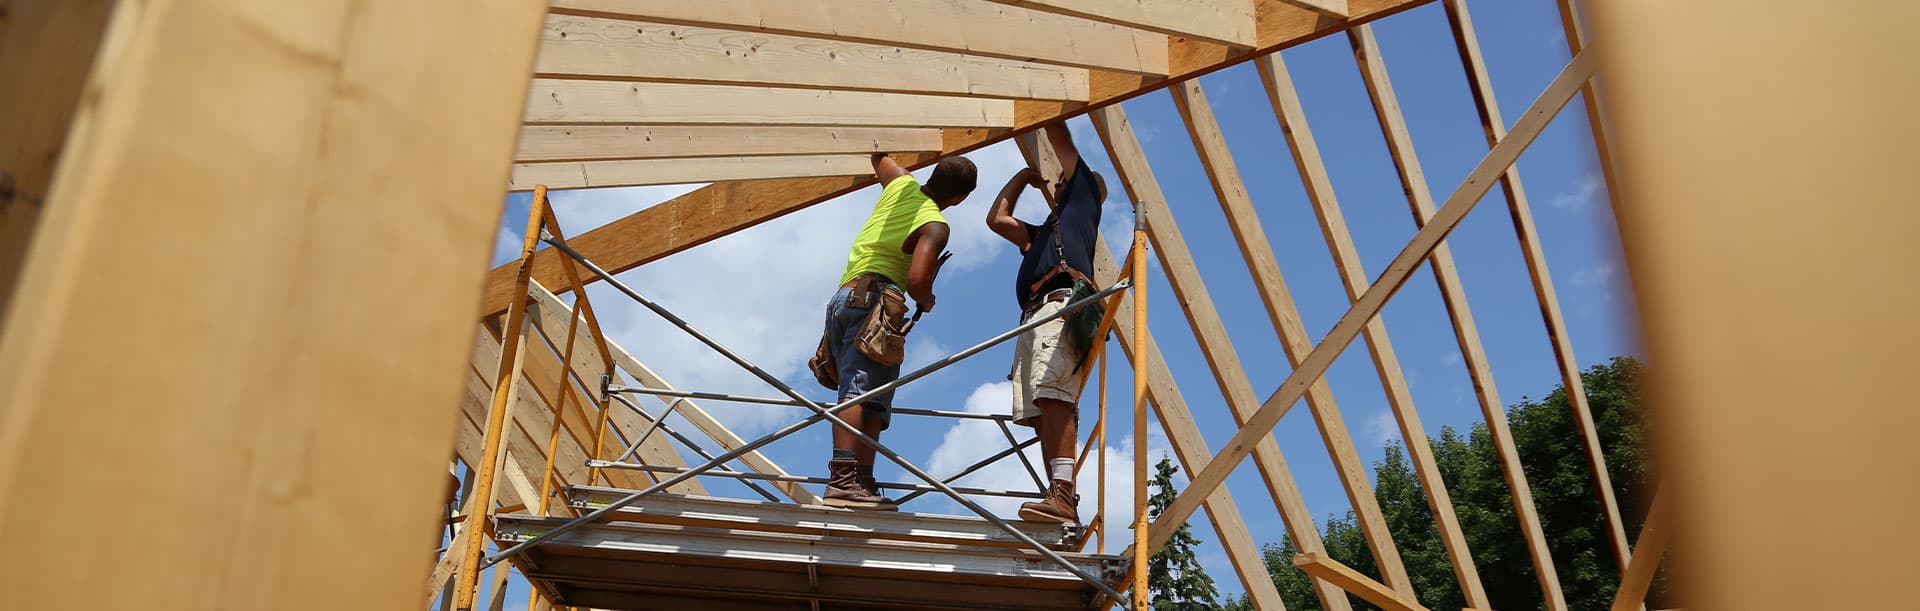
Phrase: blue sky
[763,291]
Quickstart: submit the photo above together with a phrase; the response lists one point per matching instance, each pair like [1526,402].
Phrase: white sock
[1061,468]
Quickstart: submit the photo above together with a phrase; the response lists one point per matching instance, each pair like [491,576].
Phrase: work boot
[845,488]
[1061,505]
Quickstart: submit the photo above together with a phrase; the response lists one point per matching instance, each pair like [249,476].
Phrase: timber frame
[140,139]
[779,104]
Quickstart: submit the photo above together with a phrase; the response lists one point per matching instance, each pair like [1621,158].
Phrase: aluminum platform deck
[726,554]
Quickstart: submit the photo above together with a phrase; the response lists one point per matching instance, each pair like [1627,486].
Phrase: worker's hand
[1032,177]
[924,305]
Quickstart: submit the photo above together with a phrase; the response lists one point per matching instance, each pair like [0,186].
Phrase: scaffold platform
[691,552]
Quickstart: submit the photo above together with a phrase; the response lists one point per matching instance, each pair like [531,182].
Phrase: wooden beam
[620,49]
[1228,22]
[576,101]
[973,27]
[1333,8]
[552,311]
[723,208]
[46,51]
[1215,345]
[596,142]
[634,172]
[1576,389]
[1413,181]
[1284,313]
[1647,550]
[1353,581]
[375,129]
[1368,306]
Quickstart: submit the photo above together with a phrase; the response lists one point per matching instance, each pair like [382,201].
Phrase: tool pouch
[1080,326]
[825,370]
[883,335]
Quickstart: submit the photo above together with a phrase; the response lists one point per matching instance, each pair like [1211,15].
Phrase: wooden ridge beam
[1228,22]
[723,208]
[1215,345]
[1468,45]
[1344,332]
[635,172]
[568,101]
[621,49]
[1413,180]
[551,143]
[974,27]
[1284,313]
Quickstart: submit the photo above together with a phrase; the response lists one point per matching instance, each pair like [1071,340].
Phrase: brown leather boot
[845,488]
[1061,505]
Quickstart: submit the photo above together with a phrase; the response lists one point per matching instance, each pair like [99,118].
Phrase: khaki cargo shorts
[1044,362]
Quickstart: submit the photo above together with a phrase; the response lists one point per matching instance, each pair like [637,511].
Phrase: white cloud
[1583,192]
[761,292]
[1450,359]
[1381,427]
[969,441]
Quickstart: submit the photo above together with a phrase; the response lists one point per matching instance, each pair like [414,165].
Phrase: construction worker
[1056,266]
[899,246]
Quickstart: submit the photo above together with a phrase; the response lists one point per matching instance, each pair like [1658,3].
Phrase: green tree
[1553,458]
[1175,580]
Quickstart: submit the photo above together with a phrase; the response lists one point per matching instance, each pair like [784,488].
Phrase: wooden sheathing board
[554,143]
[723,208]
[973,27]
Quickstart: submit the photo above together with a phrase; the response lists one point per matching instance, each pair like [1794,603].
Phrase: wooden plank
[1183,433]
[1769,239]
[1368,306]
[553,310]
[585,142]
[1228,22]
[195,114]
[1413,180]
[632,172]
[575,101]
[1489,108]
[1352,471]
[723,208]
[1333,8]
[1215,345]
[1353,581]
[973,27]
[594,47]
[1285,316]
[46,50]
[1647,550]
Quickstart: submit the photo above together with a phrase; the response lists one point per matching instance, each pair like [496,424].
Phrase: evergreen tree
[1175,580]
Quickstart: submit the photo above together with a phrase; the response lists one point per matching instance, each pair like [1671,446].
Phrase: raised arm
[928,242]
[1063,149]
[1000,215]
[885,169]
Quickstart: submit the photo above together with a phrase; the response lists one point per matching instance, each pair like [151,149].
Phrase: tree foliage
[1175,580]
[1553,459]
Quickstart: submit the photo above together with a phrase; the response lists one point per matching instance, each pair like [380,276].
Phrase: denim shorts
[858,374]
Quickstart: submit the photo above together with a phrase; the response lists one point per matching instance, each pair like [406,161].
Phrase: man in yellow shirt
[899,245]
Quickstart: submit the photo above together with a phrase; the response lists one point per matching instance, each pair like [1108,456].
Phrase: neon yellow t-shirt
[901,210]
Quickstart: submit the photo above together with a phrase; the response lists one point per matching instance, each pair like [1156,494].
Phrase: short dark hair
[955,176]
